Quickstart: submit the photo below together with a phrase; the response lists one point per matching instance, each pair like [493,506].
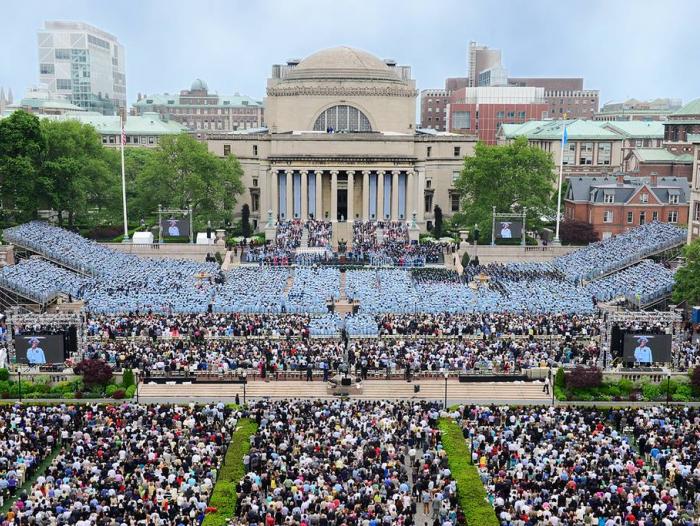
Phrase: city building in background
[433,108]
[199,109]
[484,66]
[341,143]
[638,110]
[637,135]
[40,101]
[84,65]
[614,204]
[5,100]
[565,97]
[481,111]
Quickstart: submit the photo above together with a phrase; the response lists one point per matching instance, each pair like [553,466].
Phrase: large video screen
[176,227]
[39,350]
[646,348]
[509,229]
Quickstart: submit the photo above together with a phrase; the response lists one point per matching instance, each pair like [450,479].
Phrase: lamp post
[245,382]
[19,385]
[447,374]
[668,389]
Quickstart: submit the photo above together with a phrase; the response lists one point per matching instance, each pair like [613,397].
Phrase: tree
[77,172]
[245,221]
[94,372]
[573,231]
[438,225]
[509,177]
[22,146]
[182,172]
[687,286]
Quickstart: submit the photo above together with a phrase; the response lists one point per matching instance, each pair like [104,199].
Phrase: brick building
[482,111]
[433,108]
[565,97]
[614,204]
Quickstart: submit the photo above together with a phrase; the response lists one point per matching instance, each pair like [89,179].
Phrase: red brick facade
[490,117]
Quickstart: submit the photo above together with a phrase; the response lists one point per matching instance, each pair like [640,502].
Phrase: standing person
[547,383]
[309,372]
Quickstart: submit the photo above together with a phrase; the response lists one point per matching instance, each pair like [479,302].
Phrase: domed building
[341,143]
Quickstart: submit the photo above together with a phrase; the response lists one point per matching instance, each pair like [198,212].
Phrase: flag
[123,136]
[564,137]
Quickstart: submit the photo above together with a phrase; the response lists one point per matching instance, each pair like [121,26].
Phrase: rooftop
[637,129]
[147,124]
[576,130]
[661,155]
[690,109]
[343,62]
[225,101]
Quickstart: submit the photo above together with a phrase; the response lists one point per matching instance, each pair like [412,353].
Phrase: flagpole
[126,224]
[556,240]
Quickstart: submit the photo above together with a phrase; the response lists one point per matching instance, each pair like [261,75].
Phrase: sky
[624,48]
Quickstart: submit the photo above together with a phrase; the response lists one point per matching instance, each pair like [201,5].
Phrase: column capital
[395,172]
[304,172]
[366,172]
[351,172]
[335,172]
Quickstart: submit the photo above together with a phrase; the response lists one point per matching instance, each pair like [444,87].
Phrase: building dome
[343,63]
[198,85]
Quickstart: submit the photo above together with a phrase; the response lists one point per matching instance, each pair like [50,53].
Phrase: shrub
[560,378]
[128,378]
[684,393]
[4,375]
[130,391]
[625,386]
[119,394]
[695,380]
[94,372]
[465,259]
[583,377]
[651,391]
[111,389]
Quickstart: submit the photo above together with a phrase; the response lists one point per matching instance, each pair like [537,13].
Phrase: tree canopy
[180,172]
[687,287]
[509,177]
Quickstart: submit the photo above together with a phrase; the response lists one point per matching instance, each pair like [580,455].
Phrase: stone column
[380,195]
[334,195]
[365,195]
[290,195]
[319,194]
[304,195]
[410,195]
[395,195]
[274,192]
[351,196]
[420,198]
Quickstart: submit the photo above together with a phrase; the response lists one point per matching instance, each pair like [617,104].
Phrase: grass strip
[223,496]
[40,470]
[470,491]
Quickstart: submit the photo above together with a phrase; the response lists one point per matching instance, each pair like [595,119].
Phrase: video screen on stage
[39,350]
[509,229]
[176,227]
[646,348]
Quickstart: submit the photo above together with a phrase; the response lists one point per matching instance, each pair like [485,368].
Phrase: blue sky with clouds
[624,48]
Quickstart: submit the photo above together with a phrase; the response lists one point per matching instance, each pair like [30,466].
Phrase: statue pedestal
[270,232]
[220,237]
[413,233]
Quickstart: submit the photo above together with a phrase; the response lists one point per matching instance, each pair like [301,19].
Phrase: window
[655,216]
[457,151]
[342,118]
[227,149]
[630,217]
[255,182]
[255,202]
[63,84]
[461,120]
[609,198]
[151,140]
[569,153]
[455,176]
[428,203]
[673,199]
[428,183]
[608,216]
[255,149]
[642,218]
[454,202]
[62,54]
[586,154]
[696,211]
[428,151]
[500,115]
[673,216]
[644,198]
[46,69]
[638,143]
[604,153]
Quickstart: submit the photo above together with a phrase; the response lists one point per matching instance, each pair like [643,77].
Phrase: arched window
[343,118]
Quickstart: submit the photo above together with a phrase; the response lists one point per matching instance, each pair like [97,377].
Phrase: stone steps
[372,389]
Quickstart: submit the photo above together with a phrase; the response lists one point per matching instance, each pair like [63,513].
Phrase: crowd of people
[336,463]
[567,466]
[320,232]
[117,465]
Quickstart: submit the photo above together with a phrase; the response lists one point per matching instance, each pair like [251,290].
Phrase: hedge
[470,491]
[224,496]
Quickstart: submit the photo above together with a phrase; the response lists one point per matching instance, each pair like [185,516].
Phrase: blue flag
[564,137]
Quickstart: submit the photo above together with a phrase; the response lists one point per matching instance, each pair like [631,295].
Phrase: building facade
[614,204]
[481,111]
[565,97]
[198,109]
[636,110]
[484,66]
[433,109]
[84,65]
[341,144]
